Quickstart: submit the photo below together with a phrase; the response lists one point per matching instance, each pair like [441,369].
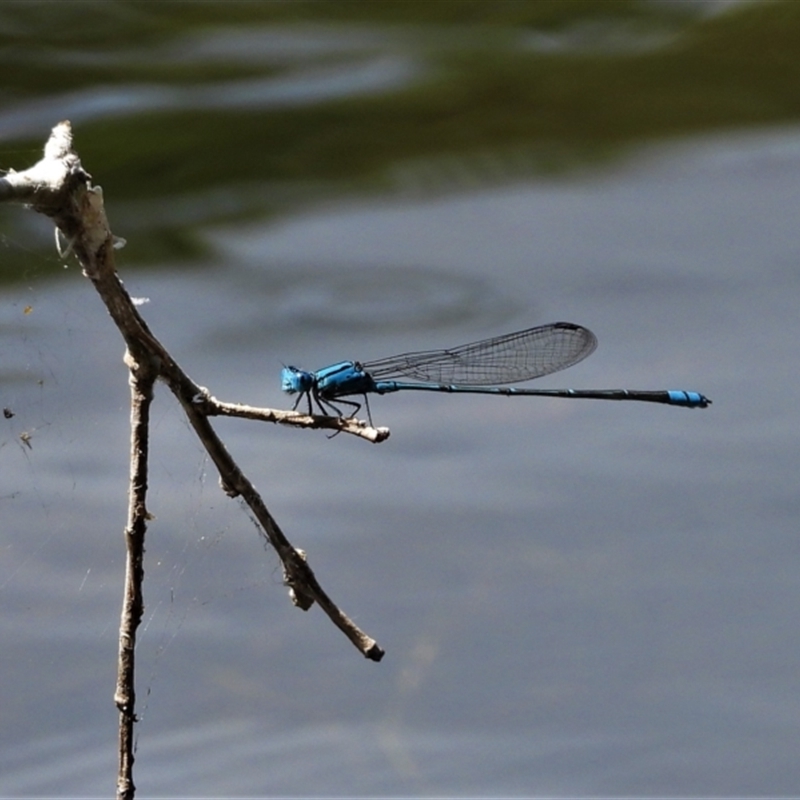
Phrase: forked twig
[60,188]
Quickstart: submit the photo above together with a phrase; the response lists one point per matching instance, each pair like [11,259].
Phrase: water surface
[576,598]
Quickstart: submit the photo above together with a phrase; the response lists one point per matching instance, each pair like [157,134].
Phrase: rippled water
[575,598]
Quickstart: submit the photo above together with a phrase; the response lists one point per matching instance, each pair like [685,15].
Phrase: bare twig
[142,378]
[211,407]
[59,187]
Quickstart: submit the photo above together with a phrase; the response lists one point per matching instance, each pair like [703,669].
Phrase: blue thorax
[342,379]
[337,380]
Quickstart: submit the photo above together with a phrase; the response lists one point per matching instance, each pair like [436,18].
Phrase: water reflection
[361,298]
[575,599]
[305,87]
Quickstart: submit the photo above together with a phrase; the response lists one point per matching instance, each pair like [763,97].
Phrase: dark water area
[575,597]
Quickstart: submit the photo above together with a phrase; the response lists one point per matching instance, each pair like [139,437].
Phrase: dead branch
[60,188]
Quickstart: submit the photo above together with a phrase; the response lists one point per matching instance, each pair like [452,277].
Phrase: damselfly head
[294,381]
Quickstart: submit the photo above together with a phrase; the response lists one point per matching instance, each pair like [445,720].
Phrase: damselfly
[478,368]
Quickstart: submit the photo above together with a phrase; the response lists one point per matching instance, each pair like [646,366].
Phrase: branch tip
[59,145]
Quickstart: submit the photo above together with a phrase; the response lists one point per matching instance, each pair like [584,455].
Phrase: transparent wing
[514,357]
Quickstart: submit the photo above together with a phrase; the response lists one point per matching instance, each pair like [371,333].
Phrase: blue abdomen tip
[682,398]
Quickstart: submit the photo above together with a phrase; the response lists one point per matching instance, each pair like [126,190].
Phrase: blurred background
[576,598]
